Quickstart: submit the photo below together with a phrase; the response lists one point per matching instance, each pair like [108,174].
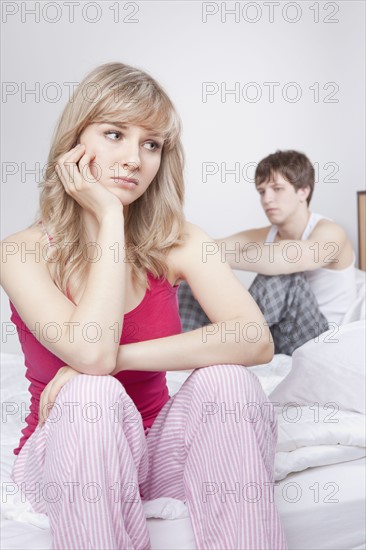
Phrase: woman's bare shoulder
[32,234]
[194,232]
[193,236]
[195,239]
[21,249]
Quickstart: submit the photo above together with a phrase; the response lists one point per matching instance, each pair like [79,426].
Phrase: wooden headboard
[361,209]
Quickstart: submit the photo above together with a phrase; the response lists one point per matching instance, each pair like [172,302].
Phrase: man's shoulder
[328,228]
[333,237]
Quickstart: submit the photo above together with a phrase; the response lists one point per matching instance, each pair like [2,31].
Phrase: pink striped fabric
[212,445]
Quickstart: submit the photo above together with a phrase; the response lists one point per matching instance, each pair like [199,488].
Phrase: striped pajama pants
[212,445]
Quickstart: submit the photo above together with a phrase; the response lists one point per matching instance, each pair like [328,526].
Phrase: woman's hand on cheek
[79,174]
[51,391]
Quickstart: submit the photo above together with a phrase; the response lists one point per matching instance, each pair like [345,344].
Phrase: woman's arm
[238,333]
[102,303]
[84,336]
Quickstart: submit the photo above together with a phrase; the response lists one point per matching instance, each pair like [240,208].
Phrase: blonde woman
[97,316]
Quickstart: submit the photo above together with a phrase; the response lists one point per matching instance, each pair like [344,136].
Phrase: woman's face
[127,157]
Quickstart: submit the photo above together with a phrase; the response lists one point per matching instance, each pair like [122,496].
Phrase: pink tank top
[156,316]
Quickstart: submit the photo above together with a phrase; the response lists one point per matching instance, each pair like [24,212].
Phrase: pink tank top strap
[49,238]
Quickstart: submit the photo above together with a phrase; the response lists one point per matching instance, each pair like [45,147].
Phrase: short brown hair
[292,165]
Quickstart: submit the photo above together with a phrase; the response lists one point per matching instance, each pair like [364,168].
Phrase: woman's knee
[230,378]
[90,392]
[87,385]
[223,370]
[231,393]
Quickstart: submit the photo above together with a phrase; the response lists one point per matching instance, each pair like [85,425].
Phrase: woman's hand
[51,391]
[73,170]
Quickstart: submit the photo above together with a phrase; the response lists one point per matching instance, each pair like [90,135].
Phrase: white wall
[184,45]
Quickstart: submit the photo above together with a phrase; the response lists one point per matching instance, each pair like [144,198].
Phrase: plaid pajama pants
[287,302]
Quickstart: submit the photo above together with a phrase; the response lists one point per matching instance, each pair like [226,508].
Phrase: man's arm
[247,251]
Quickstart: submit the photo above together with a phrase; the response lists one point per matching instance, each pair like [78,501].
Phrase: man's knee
[278,282]
[191,314]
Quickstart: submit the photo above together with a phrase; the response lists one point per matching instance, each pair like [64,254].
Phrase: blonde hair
[155,221]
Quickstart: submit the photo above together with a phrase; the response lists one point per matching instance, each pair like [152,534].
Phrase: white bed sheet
[310,517]
[308,524]
[320,508]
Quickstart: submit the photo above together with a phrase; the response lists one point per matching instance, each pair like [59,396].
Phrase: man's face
[279,198]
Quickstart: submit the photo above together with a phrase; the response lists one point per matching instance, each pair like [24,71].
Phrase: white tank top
[335,290]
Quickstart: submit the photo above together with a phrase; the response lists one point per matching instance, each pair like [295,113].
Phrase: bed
[319,398]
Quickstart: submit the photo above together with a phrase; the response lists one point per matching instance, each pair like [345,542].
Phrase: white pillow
[331,369]
[357,309]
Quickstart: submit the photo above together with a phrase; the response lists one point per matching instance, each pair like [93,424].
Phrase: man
[305,262]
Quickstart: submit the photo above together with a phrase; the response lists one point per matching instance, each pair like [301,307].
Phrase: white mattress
[325,507]
[312,521]
[320,508]
[308,524]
